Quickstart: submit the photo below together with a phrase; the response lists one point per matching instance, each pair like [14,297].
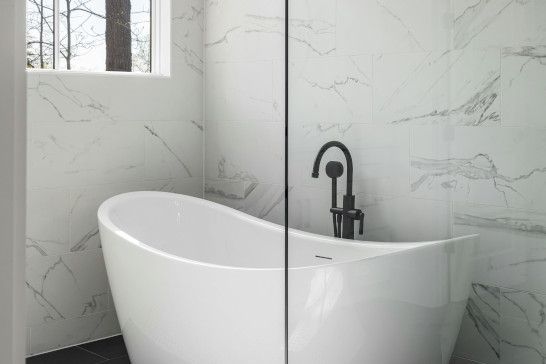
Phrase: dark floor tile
[456,360]
[124,360]
[110,348]
[66,356]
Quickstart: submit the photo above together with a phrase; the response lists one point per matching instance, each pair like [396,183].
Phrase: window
[97,35]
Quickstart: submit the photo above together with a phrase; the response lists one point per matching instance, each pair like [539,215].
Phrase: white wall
[12,180]
[91,137]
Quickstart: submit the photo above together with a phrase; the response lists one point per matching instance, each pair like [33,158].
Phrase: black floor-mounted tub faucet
[343,218]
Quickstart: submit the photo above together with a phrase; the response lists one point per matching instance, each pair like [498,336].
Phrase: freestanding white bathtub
[198,282]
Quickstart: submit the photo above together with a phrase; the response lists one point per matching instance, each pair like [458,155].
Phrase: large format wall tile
[240,91]
[82,154]
[492,166]
[371,26]
[169,157]
[187,34]
[80,98]
[511,252]
[523,327]
[252,152]
[47,233]
[246,30]
[456,87]
[524,86]
[498,23]
[333,89]
[312,28]
[479,338]
[62,287]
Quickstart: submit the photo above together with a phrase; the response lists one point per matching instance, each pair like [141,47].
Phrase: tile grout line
[91,352]
[127,357]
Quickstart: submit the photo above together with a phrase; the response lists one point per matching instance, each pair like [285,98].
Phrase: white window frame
[160,37]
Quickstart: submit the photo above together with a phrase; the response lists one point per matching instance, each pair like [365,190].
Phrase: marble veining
[527,305]
[82,107]
[524,330]
[48,275]
[188,27]
[191,57]
[82,244]
[480,336]
[305,31]
[523,86]
[152,132]
[476,18]
[460,87]
[334,89]
[481,321]
[261,200]
[485,23]
[399,20]
[223,39]
[528,53]
[339,128]
[521,221]
[478,104]
[41,246]
[198,125]
[465,170]
[337,85]
[95,304]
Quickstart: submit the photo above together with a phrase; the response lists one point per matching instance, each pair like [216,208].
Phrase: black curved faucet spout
[348,214]
[348,158]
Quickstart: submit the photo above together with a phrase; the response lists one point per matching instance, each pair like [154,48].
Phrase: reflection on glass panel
[40,40]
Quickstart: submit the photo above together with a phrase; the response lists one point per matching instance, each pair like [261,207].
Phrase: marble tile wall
[91,137]
[244,105]
[442,104]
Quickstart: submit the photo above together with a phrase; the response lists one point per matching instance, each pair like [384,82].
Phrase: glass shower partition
[245,160]
[415,122]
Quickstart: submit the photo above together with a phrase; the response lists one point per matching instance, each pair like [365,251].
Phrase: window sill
[97,74]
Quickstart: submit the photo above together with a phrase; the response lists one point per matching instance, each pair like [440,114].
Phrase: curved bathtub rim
[105,220]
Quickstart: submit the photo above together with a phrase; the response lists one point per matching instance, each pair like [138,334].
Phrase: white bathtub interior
[232,239]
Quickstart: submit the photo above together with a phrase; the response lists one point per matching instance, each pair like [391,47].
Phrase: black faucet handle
[334,169]
[336,210]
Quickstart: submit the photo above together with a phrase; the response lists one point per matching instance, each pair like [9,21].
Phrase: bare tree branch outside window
[94,35]
[40,34]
